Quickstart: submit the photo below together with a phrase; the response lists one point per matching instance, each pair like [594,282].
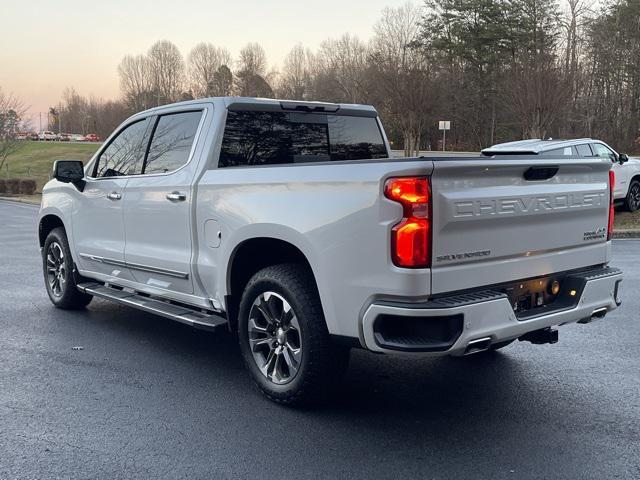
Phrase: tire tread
[72,299]
[325,360]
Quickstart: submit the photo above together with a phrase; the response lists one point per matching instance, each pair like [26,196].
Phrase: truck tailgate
[494,223]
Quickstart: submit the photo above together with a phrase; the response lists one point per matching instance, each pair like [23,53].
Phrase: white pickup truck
[286,223]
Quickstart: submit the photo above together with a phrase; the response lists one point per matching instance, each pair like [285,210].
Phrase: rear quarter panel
[335,214]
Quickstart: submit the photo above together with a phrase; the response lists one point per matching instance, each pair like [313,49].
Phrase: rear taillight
[612,182]
[411,237]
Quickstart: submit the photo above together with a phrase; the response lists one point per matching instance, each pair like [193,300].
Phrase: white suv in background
[627,170]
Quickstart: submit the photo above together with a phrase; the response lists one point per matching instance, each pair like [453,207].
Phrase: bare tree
[167,71]
[136,81]
[401,74]
[251,78]
[295,79]
[11,112]
[91,115]
[75,110]
[340,69]
[253,59]
[536,93]
[203,64]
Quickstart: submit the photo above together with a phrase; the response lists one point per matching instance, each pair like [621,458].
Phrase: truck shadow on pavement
[490,382]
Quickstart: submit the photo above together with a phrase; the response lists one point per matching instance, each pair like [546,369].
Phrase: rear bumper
[448,325]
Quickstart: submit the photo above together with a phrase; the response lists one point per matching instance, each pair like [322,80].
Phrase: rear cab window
[253,138]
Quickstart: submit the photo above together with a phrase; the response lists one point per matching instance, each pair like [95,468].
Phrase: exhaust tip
[597,314]
[478,345]
[540,337]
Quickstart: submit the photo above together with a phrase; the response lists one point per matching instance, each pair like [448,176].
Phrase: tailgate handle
[541,172]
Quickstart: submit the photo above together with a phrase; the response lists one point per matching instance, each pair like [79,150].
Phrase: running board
[194,317]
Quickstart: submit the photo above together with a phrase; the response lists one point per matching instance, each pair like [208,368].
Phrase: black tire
[57,264]
[321,363]
[632,200]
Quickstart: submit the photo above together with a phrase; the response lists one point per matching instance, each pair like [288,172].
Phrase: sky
[46,46]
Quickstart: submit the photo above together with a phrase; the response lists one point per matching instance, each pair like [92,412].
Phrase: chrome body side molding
[135,266]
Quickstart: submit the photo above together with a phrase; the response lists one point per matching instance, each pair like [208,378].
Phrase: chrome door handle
[176,197]
[114,196]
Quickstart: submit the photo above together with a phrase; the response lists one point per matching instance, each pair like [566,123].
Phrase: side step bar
[203,319]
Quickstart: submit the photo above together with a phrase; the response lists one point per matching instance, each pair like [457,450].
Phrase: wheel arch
[46,224]
[249,257]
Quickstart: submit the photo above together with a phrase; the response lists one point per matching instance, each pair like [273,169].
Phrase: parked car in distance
[47,136]
[91,137]
[22,136]
[287,223]
[77,137]
[64,137]
[627,170]
[33,136]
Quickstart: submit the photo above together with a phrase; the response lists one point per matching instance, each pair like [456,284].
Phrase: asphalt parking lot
[148,398]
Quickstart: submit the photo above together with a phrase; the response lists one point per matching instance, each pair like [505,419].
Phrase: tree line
[500,70]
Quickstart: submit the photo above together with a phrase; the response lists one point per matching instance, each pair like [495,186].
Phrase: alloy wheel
[634,197]
[56,269]
[275,338]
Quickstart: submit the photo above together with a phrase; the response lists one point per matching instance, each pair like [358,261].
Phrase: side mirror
[623,158]
[69,171]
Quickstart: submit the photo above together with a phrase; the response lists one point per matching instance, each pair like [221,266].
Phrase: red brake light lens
[411,238]
[612,182]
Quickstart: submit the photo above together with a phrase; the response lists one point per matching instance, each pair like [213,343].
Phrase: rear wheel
[59,272]
[632,201]
[284,338]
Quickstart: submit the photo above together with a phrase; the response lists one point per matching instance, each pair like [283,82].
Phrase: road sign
[444,126]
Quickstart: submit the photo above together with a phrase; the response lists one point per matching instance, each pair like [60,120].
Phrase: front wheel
[632,200]
[284,338]
[59,273]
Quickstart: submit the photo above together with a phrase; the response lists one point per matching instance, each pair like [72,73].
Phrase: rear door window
[559,152]
[584,150]
[172,141]
[268,138]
